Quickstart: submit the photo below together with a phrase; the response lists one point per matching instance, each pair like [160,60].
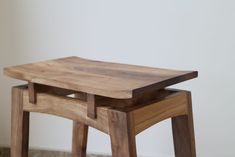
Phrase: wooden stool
[118,99]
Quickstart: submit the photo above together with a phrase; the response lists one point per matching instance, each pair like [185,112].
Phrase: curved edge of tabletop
[11,72]
[168,82]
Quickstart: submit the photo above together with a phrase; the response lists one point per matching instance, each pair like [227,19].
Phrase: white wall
[7,57]
[181,34]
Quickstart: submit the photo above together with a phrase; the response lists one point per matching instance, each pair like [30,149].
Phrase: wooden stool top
[113,80]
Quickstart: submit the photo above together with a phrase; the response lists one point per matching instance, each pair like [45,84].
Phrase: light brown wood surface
[183,132]
[69,108]
[98,78]
[79,135]
[172,105]
[19,125]
[121,130]
[79,140]
[91,106]
[121,122]
[118,99]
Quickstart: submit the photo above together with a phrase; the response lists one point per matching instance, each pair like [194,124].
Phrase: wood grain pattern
[32,93]
[121,122]
[70,108]
[79,141]
[19,125]
[80,133]
[91,106]
[173,105]
[99,78]
[122,134]
[183,133]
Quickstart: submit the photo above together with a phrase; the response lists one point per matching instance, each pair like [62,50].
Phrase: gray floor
[5,152]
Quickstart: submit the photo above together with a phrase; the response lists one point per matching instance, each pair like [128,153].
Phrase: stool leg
[80,132]
[19,125]
[183,133]
[122,134]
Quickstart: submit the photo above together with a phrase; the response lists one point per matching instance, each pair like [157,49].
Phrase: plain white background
[180,34]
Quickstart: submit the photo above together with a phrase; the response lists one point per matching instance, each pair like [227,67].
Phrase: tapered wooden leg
[19,125]
[79,142]
[122,134]
[183,133]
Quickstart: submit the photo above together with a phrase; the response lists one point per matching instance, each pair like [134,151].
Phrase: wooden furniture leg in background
[19,125]
[79,142]
[183,133]
[122,134]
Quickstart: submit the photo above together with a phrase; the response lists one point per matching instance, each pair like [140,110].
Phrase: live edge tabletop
[121,81]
